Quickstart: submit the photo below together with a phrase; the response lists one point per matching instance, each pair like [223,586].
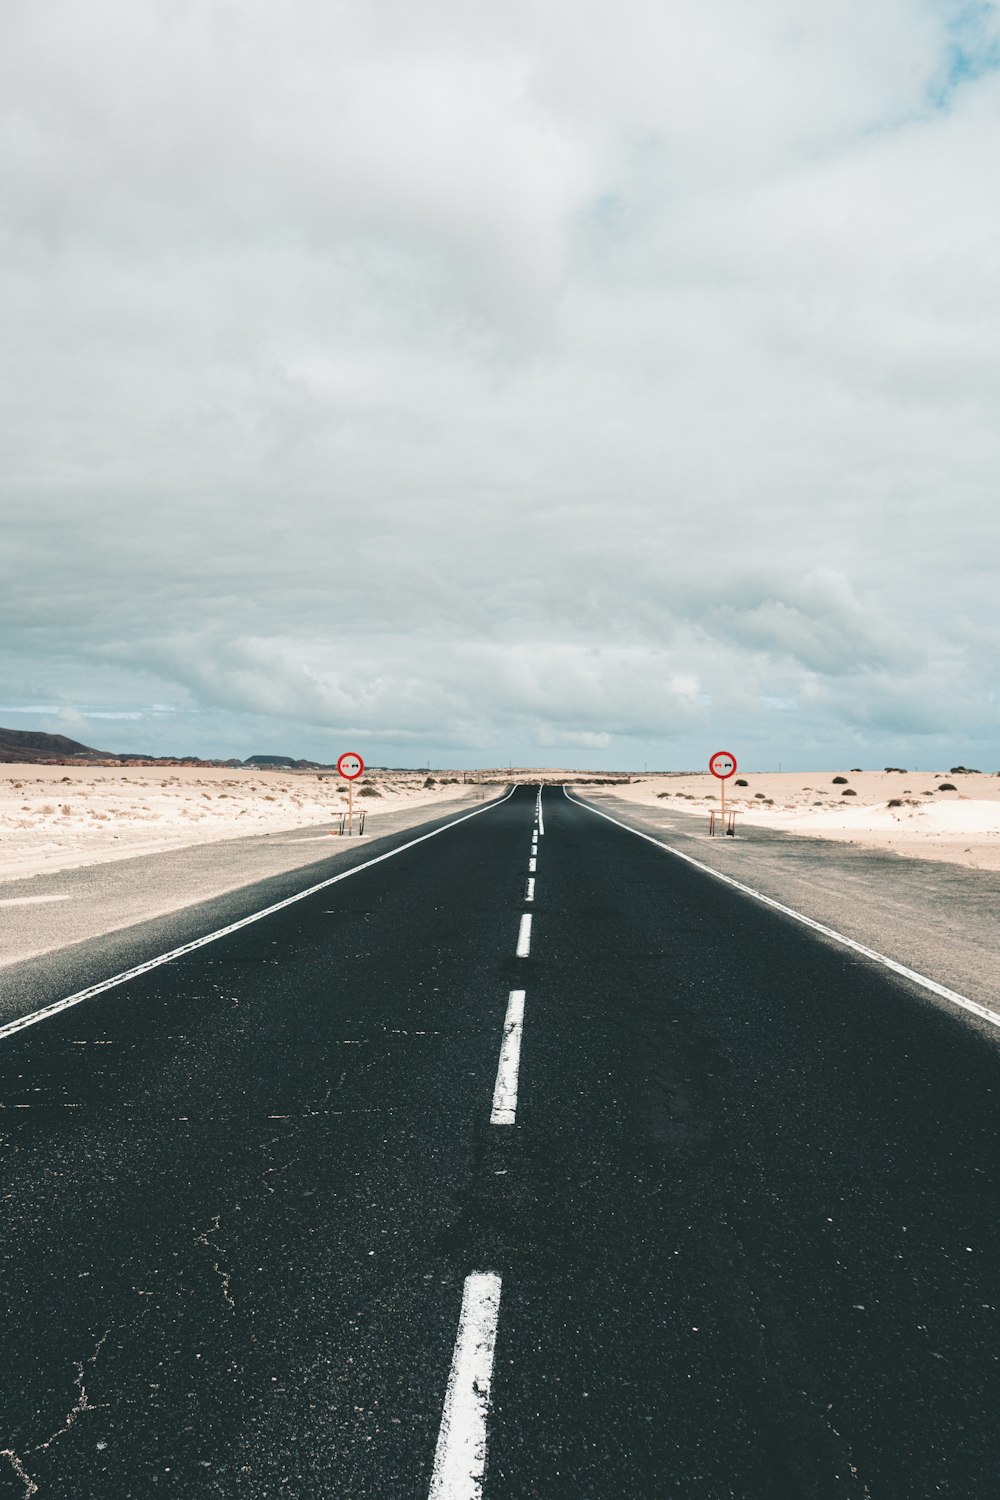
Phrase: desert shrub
[429,783]
[900,769]
[66,809]
[67,778]
[848,792]
[856,771]
[840,781]
[741,783]
[964,771]
[895,802]
[760,796]
[946,786]
[663,794]
[48,808]
[369,791]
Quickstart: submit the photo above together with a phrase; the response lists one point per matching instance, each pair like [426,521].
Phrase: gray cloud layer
[527,380]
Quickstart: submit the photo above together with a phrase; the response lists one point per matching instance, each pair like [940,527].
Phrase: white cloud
[482,373]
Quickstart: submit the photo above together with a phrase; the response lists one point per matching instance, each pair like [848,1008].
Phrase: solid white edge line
[165,958]
[541,820]
[524,936]
[983,1011]
[505,1089]
[460,1456]
[530,893]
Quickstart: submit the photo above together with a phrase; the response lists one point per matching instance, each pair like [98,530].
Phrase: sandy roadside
[916,814]
[56,818]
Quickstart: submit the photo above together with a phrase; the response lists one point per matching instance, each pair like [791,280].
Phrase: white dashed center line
[532,865]
[460,1458]
[505,1089]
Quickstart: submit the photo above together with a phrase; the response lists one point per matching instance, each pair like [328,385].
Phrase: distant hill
[32,747]
[29,746]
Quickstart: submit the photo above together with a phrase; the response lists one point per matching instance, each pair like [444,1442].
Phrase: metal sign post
[350,767]
[723,765]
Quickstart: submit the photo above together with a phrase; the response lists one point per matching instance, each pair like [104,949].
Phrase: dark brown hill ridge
[33,747]
[28,746]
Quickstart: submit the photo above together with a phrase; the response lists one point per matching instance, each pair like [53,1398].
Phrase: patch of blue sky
[973,49]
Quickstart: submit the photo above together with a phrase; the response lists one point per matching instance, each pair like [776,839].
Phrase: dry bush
[840,781]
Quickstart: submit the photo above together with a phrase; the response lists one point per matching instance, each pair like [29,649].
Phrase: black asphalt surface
[746,1222]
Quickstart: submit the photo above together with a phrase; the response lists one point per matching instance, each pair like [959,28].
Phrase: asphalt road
[740,1212]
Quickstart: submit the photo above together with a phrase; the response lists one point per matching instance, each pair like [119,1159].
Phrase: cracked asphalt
[746,1219]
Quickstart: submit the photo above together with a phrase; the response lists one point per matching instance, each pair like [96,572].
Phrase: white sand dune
[904,812]
[62,817]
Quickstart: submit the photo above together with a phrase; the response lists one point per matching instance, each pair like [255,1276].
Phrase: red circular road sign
[350,765]
[723,765]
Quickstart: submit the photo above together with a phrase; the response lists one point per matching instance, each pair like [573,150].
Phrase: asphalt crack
[82,1404]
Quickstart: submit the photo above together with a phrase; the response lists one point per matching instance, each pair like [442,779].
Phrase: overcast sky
[554,380]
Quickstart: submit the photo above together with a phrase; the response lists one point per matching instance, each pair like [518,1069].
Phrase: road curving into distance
[527,1160]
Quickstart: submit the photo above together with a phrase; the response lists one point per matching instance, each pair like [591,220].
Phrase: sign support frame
[723,775]
[350,777]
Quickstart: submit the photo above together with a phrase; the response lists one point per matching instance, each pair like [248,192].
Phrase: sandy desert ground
[62,817]
[906,812]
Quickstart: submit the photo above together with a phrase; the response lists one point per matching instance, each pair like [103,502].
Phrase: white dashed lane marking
[460,1457]
[524,936]
[505,1088]
[529,894]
